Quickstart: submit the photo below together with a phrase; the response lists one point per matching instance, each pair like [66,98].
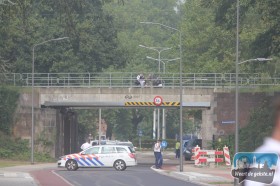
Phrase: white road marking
[66,181]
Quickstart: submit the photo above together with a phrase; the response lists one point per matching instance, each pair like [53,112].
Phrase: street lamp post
[32,96]
[236,80]
[159,50]
[164,61]
[237,98]
[181,89]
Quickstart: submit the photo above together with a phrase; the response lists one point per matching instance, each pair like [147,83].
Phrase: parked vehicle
[118,156]
[189,145]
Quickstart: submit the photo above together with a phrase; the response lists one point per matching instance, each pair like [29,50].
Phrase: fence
[128,79]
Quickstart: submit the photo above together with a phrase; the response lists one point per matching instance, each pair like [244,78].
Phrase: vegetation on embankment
[11,148]
[260,126]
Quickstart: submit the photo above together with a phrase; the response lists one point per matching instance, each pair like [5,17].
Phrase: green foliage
[224,141]
[207,46]
[88,123]
[131,33]
[123,126]
[18,149]
[8,104]
[92,44]
[259,29]
[259,126]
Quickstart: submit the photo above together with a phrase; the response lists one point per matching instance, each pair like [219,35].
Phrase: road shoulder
[193,177]
[32,175]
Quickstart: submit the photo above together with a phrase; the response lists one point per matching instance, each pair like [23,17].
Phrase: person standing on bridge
[142,80]
[86,145]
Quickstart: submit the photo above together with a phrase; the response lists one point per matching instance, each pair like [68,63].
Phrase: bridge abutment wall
[55,129]
[58,127]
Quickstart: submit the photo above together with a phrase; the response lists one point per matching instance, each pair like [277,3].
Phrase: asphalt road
[136,176]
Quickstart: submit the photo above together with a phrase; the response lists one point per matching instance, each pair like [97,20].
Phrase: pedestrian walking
[86,145]
[177,150]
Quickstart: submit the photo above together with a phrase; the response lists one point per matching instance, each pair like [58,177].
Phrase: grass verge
[11,163]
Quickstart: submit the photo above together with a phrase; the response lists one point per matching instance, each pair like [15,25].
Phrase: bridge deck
[120,104]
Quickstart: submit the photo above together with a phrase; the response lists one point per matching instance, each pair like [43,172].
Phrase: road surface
[136,176]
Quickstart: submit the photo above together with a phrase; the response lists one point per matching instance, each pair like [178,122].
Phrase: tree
[93,38]
[131,33]
[123,126]
[206,46]
[260,125]
[259,29]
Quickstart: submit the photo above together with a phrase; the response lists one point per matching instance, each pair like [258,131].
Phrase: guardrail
[128,79]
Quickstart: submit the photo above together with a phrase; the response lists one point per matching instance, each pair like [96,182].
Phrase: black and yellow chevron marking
[171,103]
[137,103]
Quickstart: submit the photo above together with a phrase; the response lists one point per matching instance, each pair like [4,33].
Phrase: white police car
[116,156]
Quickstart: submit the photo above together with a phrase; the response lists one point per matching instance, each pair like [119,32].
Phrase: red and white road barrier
[227,156]
[196,155]
[210,156]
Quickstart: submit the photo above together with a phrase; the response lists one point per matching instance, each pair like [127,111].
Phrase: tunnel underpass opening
[71,132]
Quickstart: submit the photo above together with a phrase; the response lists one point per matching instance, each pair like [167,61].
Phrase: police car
[118,156]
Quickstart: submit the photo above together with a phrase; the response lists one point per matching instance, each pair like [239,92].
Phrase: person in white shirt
[271,144]
[86,145]
[157,153]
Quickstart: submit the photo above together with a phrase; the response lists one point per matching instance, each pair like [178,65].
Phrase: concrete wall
[225,110]
[208,127]
[55,129]
[45,124]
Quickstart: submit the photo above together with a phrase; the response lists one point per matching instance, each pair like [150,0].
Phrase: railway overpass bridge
[62,91]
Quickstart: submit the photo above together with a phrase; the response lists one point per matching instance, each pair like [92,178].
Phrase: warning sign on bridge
[158,100]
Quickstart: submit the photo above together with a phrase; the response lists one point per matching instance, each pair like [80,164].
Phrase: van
[189,145]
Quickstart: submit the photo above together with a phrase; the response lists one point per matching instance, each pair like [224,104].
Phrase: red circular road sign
[158,100]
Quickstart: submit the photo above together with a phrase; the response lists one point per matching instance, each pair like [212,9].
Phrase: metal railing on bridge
[128,79]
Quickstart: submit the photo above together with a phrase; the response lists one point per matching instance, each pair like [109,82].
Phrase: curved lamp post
[33,60]
[164,61]
[181,87]
[159,50]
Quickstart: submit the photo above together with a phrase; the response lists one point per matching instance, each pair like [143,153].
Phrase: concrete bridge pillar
[207,127]
[66,132]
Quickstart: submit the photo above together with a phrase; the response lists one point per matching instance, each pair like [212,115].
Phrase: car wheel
[119,165]
[71,165]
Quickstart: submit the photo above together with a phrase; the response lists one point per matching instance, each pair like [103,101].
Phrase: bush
[8,104]
[18,149]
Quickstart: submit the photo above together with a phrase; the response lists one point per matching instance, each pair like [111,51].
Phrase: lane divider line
[66,181]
